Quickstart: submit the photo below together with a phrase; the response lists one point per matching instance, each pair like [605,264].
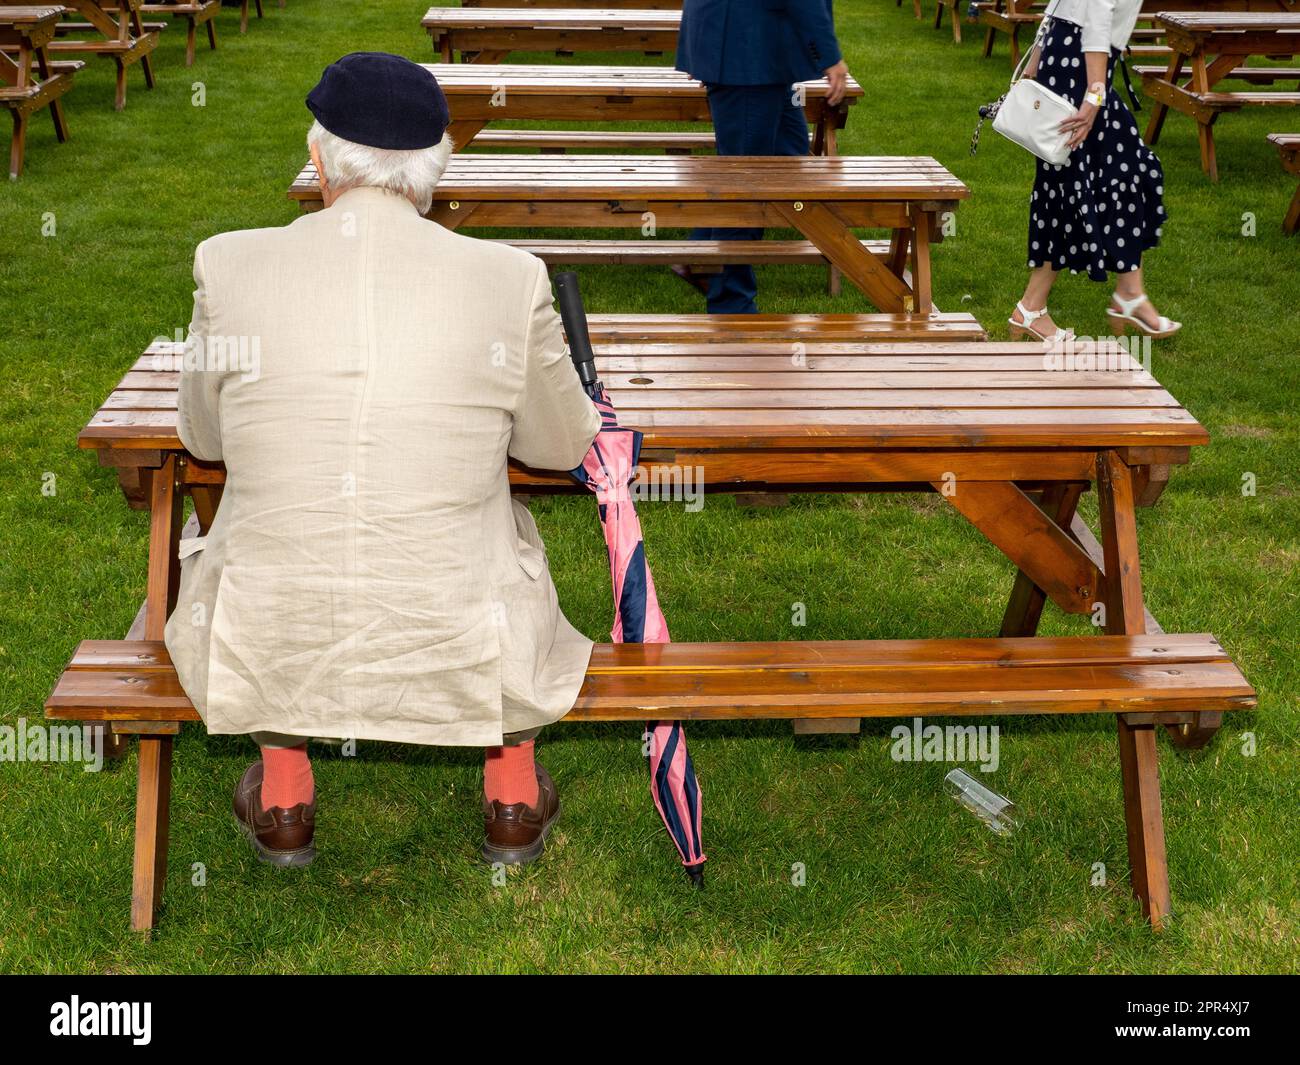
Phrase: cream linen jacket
[367,574]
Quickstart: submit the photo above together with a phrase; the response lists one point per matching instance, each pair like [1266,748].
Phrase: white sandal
[1121,319]
[1020,329]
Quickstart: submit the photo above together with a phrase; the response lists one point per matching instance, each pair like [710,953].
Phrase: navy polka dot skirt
[1098,212]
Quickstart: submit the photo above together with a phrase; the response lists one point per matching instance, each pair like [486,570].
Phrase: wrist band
[1097,99]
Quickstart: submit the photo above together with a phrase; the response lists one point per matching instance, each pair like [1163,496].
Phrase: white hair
[413,173]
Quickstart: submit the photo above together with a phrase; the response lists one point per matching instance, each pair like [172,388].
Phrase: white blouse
[1106,24]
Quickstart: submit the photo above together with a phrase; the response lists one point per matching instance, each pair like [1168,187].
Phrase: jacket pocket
[191,546]
[532,559]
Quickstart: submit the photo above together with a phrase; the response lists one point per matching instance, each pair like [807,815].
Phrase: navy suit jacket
[756,42]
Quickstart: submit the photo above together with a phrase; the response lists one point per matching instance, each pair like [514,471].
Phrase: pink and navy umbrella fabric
[608,471]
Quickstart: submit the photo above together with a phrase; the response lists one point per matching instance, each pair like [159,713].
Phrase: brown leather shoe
[699,282]
[279,837]
[516,834]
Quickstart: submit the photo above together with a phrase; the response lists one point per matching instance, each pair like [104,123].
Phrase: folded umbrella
[608,471]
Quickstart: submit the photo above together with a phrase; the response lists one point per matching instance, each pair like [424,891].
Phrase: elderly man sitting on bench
[367,575]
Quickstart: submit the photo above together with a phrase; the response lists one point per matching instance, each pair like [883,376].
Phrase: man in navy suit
[748,54]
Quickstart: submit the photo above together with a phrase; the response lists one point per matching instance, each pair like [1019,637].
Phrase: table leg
[1205,134]
[56,105]
[921,298]
[900,242]
[1159,110]
[1292,220]
[119,97]
[1203,79]
[463,132]
[152,811]
[153,788]
[18,145]
[824,143]
[165,501]
[207,497]
[1125,615]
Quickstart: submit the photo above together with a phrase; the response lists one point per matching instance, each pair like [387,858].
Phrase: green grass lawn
[898,878]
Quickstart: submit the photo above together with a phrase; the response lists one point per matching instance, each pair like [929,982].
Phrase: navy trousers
[749,120]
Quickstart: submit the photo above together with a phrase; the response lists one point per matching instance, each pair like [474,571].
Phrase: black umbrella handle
[574,316]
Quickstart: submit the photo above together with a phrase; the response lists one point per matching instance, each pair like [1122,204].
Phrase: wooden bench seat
[559,140]
[1235,101]
[690,252]
[123,53]
[780,328]
[88,27]
[1174,676]
[1181,682]
[139,44]
[1149,51]
[57,66]
[1255,75]
[1288,146]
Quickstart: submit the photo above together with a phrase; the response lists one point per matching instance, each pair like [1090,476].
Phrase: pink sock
[509,775]
[286,777]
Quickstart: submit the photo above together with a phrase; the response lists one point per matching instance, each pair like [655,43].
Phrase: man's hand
[838,76]
[1079,125]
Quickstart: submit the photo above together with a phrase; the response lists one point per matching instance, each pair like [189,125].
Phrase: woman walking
[1101,210]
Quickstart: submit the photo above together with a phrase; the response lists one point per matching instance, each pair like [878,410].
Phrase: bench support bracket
[1032,539]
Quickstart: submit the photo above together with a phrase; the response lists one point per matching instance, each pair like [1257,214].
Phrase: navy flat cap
[381,100]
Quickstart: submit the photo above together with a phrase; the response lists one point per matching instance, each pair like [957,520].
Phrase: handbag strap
[1128,82]
[1038,38]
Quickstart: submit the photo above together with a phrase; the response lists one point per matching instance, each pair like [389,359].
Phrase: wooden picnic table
[1218,45]
[491,34]
[1009,16]
[1010,441]
[28,81]
[823,198]
[117,33]
[480,93]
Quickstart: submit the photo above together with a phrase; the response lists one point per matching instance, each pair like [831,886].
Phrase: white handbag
[1030,114]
